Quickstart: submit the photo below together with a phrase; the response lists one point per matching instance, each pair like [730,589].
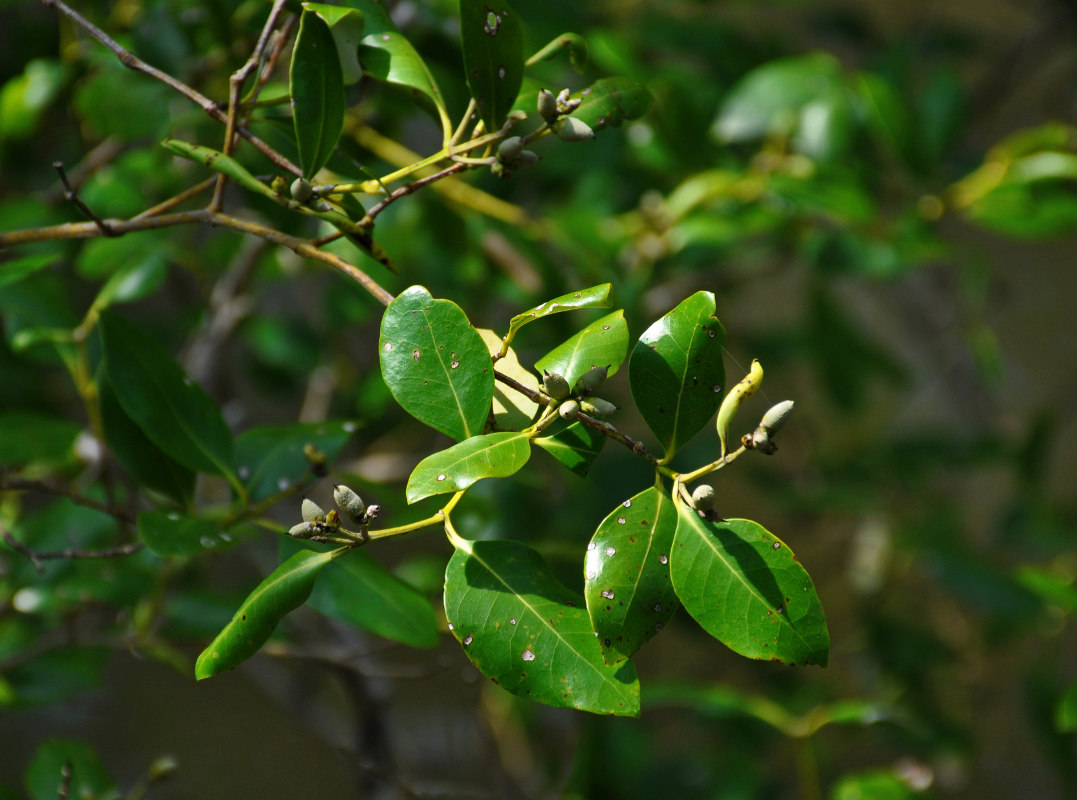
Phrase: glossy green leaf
[346,25]
[170,533]
[435,364]
[575,445]
[769,99]
[608,102]
[25,97]
[387,55]
[594,297]
[493,43]
[746,588]
[627,586]
[171,409]
[271,458]
[283,591]
[676,371]
[19,268]
[155,469]
[493,455]
[512,409]
[603,342]
[89,778]
[316,85]
[133,282]
[26,437]
[525,630]
[359,591]
[573,42]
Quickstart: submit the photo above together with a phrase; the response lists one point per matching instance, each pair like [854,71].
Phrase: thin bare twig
[36,557]
[172,202]
[132,61]
[72,197]
[49,487]
[415,185]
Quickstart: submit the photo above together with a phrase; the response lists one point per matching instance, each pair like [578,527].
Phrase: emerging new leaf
[737,395]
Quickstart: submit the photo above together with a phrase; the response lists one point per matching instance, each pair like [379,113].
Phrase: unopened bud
[311,511]
[304,530]
[509,150]
[571,129]
[589,382]
[597,407]
[703,497]
[302,190]
[776,416]
[569,409]
[349,502]
[555,385]
[547,105]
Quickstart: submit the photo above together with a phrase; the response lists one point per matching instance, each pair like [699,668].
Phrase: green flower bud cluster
[555,110]
[321,526]
[512,155]
[580,397]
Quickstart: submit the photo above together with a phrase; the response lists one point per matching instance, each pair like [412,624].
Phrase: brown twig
[172,202]
[603,427]
[49,487]
[415,185]
[36,557]
[235,86]
[132,61]
[72,197]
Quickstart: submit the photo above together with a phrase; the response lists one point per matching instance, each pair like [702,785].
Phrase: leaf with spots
[170,533]
[435,364]
[316,85]
[745,587]
[610,101]
[387,55]
[530,634]
[494,455]
[346,25]
[626,571]
[603,342]
[575,445]
[676,371]
[271,458]
[283,591]
[595,297]
[172,410]
[493,44]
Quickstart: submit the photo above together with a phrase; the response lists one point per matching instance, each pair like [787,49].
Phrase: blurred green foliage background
[884,198]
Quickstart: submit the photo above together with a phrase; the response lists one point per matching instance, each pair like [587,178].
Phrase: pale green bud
[571,129]
[302,190]
[555,385]
[311,511]
[569,409]
[350,503]
[703,497]
[589,382]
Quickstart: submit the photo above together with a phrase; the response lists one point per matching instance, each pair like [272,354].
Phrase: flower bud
[589,382]
[528,158]
[566,103]
[569,409]
[555,385]
[278,184]
[302,190]
[776,416]
[597,407]
[703,497]
[304,530]
[372,512]
[311,511]
[571,129]
[509,150]
[349,503]
[547,105]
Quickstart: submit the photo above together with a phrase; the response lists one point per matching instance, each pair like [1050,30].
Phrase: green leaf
[359,591]
[573,42]
[525,630]
[388,56]
[170,533]
[25,97]
[494,455]
[608,102]
[512,410]
[575,445]
[283,591]
[676,371]
[493,43]
[594,297]
[769,99]
[88,775]
[273,457]
[873,785]
[747,589]
[19,268]
[603,342]
[133,282]
[627,586]
[153,468]
[435,364]
[26,437]
[346,25]
[171,409]
[316,85]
